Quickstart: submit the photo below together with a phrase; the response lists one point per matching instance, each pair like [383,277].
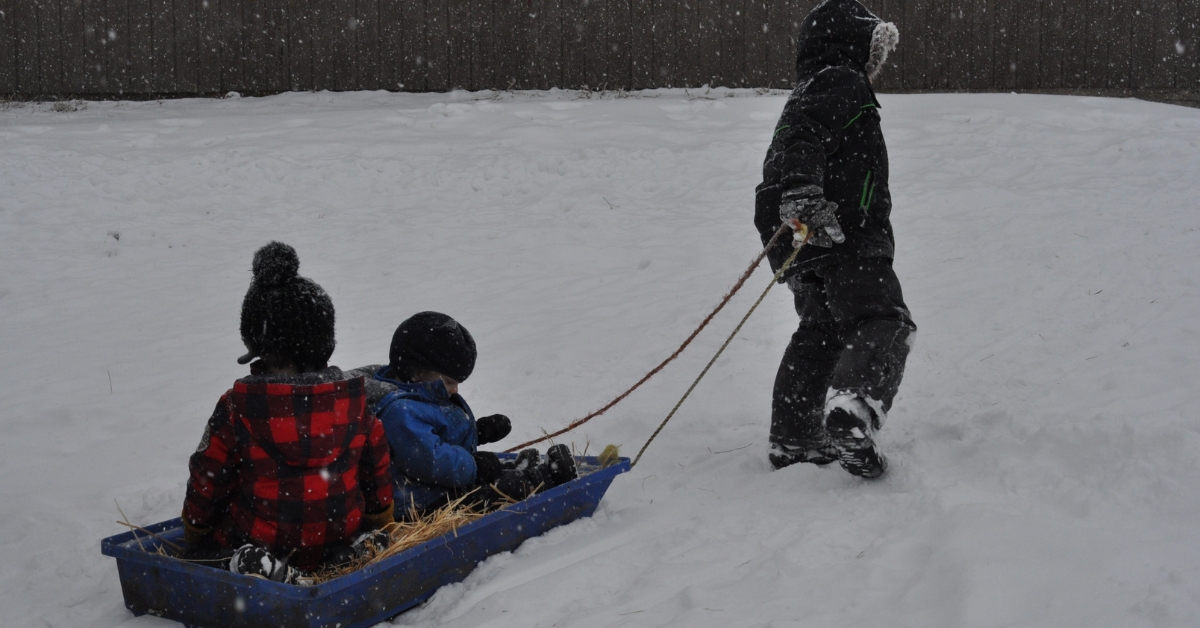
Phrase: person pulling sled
[827,169]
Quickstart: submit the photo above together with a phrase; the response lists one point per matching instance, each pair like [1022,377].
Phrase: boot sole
[857,455]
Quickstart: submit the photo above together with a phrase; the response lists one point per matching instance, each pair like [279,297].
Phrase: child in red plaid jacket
[291,461]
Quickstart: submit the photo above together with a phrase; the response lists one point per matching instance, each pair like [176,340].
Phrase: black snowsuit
[855,329]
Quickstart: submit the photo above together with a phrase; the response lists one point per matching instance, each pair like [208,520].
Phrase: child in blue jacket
[433,434]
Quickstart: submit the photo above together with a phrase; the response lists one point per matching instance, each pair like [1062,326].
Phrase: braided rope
[737,286]
[699,377]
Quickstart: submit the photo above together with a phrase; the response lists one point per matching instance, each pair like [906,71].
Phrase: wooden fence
[60,48]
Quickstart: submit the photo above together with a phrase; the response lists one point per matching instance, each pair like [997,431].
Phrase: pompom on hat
[434,341]
[285,314]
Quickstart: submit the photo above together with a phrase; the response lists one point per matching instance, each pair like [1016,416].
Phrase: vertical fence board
[573,62]
[1076,40]
[231,46]
[1164,37]
[321,44]
[328,44]
[73,45]
[1144,55]
[208,31]
[507,46]
[116,40]
[1004,45]
[982,38]
[1096,49]
[50,48]
[391,44]
[95,19]
[183,40]
[522,14]
[594,43]
[140,50]
[254,52]
[530,14]
[366,33]
[459,26]
[490,39]
[687,66]
[708,44]
[279,78]
[779,57]
[755,42]
[265,29]
[8,65]
[733,43]
[959,27]
[641,44]
[1051,45]
[299,45]
[278,37]
[343,37]
[414,72]
[1118,28]
[617,26]
[936,45]
[938,42]
[96,26]
[26,18]
[1189,50]
[437,36]
[549,53]
[162,47]
[915,71]
[525,16]
[1029,39]
[665,64]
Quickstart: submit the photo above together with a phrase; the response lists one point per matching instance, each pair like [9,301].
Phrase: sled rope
[737,286]
[699,377]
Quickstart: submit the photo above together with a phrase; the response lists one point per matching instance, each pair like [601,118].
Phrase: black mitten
[807,205]
[492,428]
[487,467]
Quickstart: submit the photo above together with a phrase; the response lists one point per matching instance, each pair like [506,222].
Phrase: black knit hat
[285,314]
[434,341]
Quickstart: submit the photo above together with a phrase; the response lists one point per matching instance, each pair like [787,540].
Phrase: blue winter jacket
[432,434]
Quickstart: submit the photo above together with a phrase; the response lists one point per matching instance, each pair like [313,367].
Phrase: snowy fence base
[197,595]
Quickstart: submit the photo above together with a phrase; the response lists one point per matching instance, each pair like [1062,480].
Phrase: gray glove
[807,205]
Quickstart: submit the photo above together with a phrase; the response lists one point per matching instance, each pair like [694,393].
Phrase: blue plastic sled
[196,595]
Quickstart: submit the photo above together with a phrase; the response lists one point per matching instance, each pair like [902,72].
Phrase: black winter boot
[851,425]
[527,459]
[561,465]
[784,456]
[377,540]
[256,562]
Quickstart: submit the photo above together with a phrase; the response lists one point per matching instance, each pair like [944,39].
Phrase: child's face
[430,376]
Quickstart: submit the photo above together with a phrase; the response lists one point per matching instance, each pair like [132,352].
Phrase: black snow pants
[854,335]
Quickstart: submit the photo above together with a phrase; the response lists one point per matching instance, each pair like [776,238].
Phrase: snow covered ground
[1044,446]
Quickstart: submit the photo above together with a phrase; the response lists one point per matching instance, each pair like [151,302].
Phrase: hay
[406,535]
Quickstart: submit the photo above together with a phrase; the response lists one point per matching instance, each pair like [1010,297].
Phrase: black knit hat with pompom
[285,314]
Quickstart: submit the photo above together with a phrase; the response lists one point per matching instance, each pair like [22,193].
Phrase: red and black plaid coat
[290,466]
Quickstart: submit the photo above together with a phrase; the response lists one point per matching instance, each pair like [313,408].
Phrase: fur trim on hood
[884,39]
